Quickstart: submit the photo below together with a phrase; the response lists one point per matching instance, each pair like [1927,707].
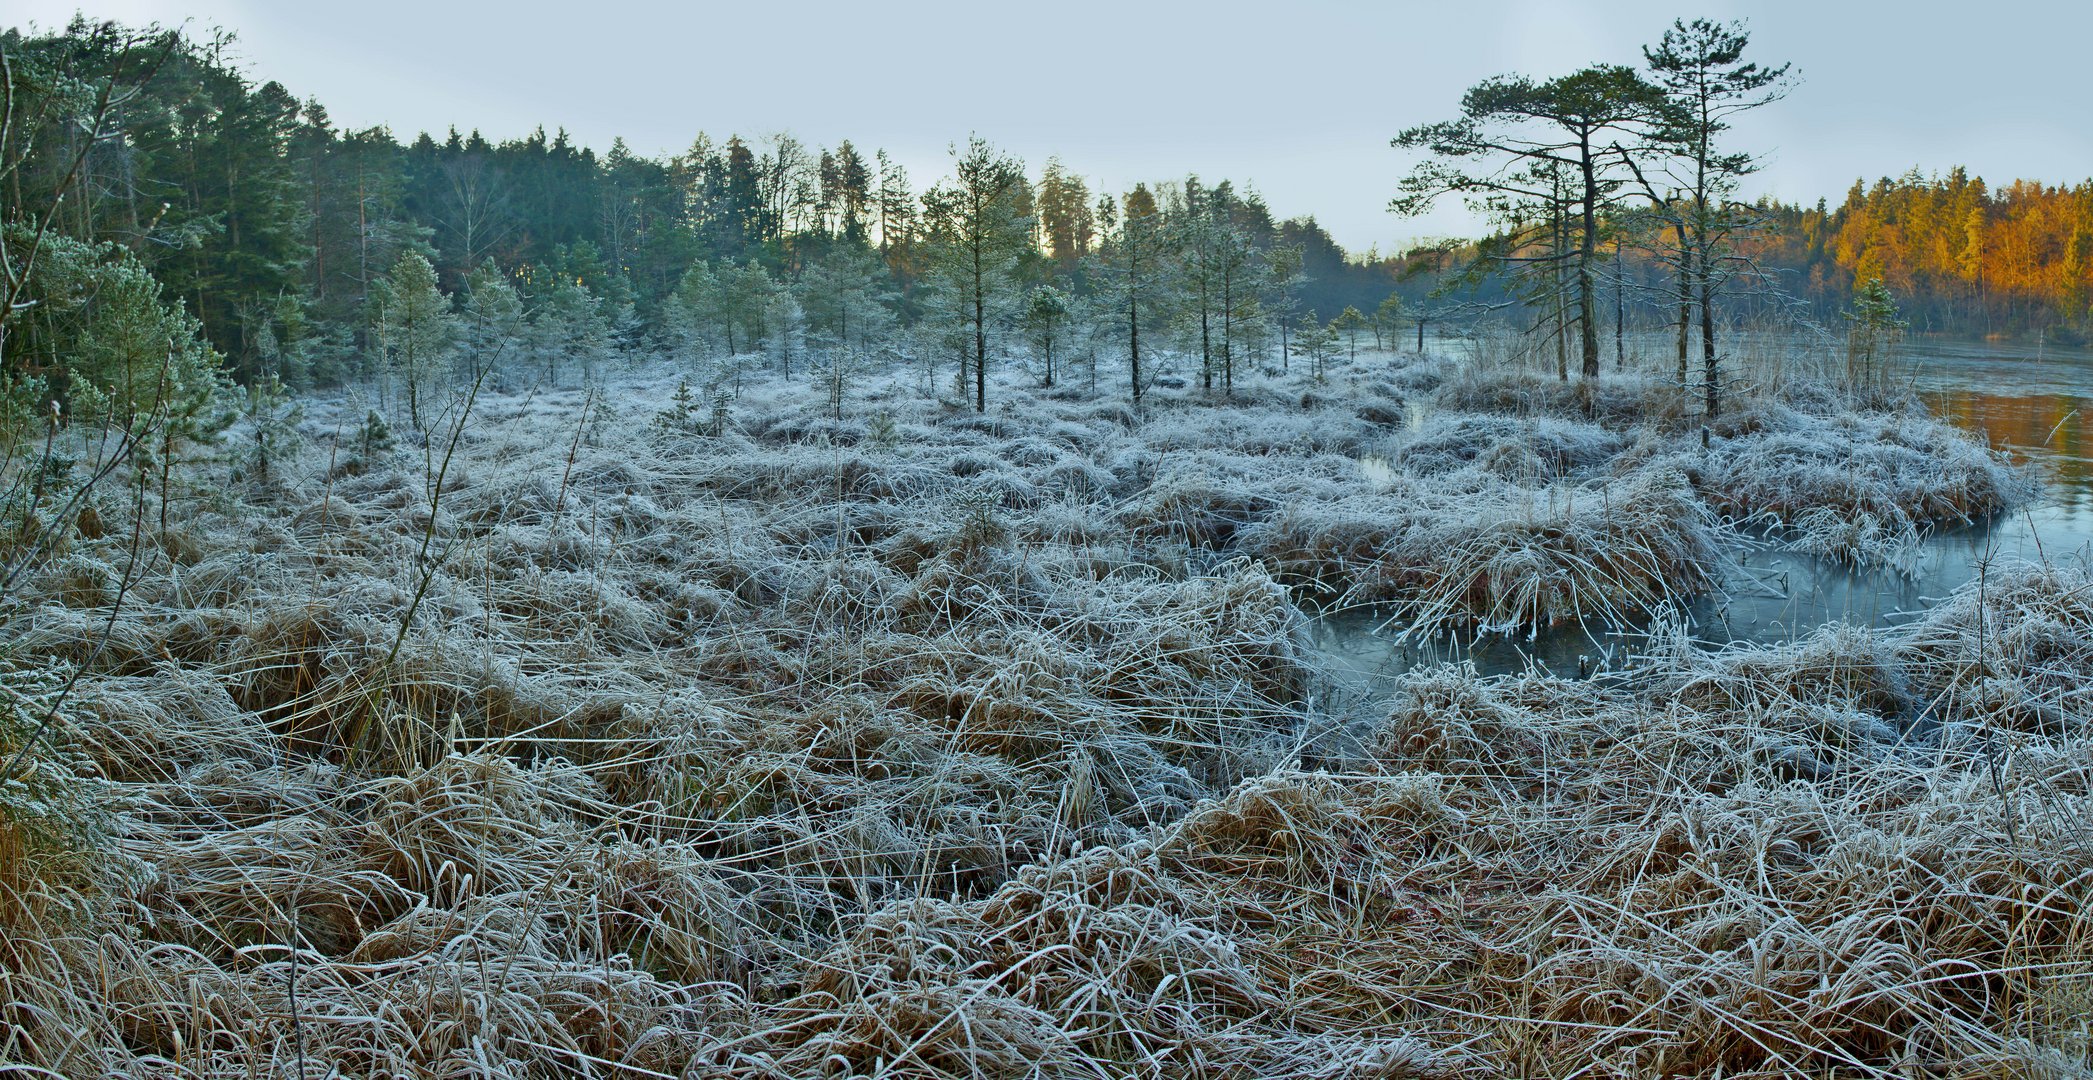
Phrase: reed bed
[972,748]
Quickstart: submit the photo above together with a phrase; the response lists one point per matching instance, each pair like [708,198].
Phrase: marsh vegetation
[933,742]
[477,609]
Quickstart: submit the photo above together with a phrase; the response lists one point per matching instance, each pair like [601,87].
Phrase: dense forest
[275,228]
[1964,258]
[281,234]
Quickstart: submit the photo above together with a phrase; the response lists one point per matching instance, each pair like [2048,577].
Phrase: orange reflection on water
[2048,430]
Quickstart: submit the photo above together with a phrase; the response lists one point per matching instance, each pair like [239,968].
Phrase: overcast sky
[1297,99]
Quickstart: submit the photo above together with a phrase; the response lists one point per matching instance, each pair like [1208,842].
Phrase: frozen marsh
[630,741]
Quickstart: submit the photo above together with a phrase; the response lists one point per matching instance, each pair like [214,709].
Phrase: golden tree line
[1960,255]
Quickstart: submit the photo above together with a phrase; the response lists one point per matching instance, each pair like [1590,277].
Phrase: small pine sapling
[881,430]
[980,526]
[681,415]
[273,418]
[721,415]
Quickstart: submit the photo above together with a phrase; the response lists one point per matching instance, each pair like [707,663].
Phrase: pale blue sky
[1297,98]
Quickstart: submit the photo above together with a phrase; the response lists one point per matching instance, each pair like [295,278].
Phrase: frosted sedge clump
[791,738]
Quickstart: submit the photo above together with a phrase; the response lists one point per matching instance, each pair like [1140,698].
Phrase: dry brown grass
[767,756]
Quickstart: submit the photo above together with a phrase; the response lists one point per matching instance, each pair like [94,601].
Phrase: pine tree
[1231,276]
[570,324]
[1701,69]
[1045,315]
[1558,144]
[852,196]
[894,207]
[1281,286]
[116,349]
[1195,238]
[1066,223]
[1349,322]
[1388,319]
[1873,330]
[237,203]
[785,330]
[1132,272]
[493,325]
[1315,338]
[414,327]
[696,317]
[743,208]
[748,297]
[844,296]
[978,227]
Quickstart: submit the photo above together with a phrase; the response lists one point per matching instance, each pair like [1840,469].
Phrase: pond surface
[2035,403]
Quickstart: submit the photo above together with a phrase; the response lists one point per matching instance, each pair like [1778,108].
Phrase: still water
[2034,403]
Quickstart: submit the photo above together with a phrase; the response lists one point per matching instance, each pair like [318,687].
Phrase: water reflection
[2032,403]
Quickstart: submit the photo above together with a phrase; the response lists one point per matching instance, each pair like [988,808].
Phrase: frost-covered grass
[927,743]
[1858,487]
[1854,477]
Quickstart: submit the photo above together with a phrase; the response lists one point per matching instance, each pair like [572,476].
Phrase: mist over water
[2032,401]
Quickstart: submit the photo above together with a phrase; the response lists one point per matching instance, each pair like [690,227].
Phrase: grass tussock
[972,750]
[1858,487]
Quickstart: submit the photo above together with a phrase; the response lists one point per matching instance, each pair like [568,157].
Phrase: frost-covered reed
[956,745]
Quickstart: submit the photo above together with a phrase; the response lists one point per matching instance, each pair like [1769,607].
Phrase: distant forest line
[273,225]
[1962,257]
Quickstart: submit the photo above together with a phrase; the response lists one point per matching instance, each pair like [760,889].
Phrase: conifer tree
[1701,69]
[747,303]
[696,315]
[414,327]
[493,323]
[1388,317]
[115,348]
[1281,286]
[1045,315]
[570,325]
[1873,328]
[1197,238]
[1132,272]
[785,326]
[1315,338]
[1349,322]
[893,206]
[1558,145]
[978,227]
[844,298]
[1068,228]
[1237,274]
